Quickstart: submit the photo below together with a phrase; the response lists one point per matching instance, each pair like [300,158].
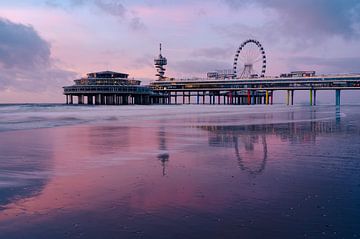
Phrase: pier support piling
[267,97]
[80,99]
[337,94]
[288,97]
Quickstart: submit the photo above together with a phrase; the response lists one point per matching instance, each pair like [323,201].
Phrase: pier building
[110,88]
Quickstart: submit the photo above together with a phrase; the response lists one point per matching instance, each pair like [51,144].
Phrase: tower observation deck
[160,62]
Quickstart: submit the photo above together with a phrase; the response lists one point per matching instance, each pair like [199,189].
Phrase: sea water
[179,171]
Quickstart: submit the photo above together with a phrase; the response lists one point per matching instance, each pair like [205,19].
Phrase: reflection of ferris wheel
[250,60]
[251,168]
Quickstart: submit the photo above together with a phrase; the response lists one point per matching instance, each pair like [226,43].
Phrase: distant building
[221,74]
[299,74]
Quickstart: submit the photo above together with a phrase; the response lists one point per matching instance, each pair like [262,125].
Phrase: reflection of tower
[160,62]
[163,156]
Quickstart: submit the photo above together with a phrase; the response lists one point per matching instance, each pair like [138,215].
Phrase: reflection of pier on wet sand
[250,141]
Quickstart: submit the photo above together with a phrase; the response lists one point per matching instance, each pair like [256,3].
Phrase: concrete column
[288,97]
[102,99]
[80,99]
[337,94]
[90,99]
[267,97]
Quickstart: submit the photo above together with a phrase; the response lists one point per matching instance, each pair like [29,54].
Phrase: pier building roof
[106,78]
[107,74]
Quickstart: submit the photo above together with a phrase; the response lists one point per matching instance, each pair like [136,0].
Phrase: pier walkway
[252,91]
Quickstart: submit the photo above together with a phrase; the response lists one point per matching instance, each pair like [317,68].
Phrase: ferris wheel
[250,60]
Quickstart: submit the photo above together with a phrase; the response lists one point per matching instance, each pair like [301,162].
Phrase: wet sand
[205,175]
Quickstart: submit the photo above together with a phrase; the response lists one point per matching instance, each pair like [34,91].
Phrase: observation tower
[160,62]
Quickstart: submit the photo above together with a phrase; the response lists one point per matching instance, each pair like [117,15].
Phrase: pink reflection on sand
[98,168]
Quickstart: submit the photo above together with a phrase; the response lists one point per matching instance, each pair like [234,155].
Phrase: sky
[46,44]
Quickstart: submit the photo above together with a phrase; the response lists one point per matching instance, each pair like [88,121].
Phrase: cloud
[308,18]
[214,52]
[112,7]
[60,3]
[21,46]
[199,66]
[25,60]
[326,65]
[136,24]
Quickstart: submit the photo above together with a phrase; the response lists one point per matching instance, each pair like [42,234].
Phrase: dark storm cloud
[310,18]
[25,59]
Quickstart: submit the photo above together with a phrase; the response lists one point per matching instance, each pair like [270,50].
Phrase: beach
[179,171]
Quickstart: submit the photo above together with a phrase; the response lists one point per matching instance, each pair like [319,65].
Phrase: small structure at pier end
[110,88]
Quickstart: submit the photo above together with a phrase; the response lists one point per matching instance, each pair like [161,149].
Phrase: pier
[241,85]
[111,89]
[253,91]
